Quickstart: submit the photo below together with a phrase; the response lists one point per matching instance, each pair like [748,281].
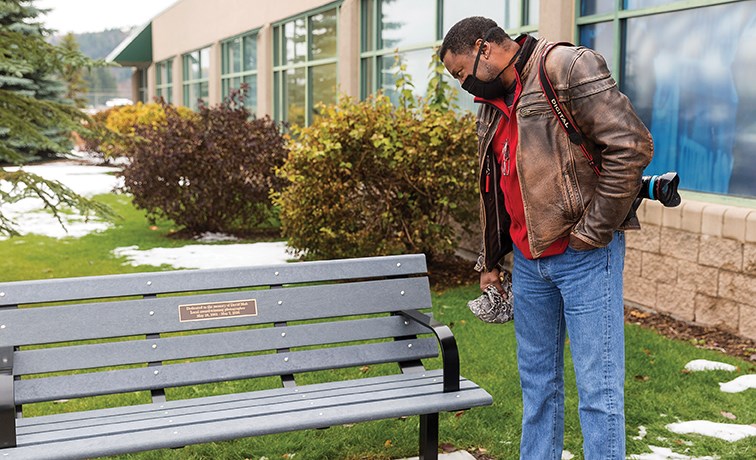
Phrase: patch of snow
[87,180]
[641,433]
[208,255]
[698,365]
[29,214]
[741,383]
[662,453]
[727,431]
[210,237]
[567,455]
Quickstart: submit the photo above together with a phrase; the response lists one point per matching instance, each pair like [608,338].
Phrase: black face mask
[487,89]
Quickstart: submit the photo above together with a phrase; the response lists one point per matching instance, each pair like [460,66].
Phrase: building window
[412,29]
[305,65]
[142,93]
[238,66]
[196,70]
[700,112]
[164,80]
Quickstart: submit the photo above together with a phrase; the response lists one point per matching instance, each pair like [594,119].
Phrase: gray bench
[159,333]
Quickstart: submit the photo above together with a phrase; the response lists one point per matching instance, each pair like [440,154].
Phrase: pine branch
[54,195]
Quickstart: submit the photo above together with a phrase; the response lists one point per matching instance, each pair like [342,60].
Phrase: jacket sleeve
[607,118]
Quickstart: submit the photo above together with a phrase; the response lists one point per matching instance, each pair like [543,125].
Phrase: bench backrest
[91,336]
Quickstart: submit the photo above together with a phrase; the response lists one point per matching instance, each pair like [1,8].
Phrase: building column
[135,84]
[349,49]
[265,71]
[214,95]
[557,20]
[151,82]
[177,81]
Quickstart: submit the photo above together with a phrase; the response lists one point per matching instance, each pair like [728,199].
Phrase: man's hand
[580,245]
[489,278]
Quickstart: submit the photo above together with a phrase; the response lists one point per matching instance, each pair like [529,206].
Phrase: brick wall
[696,262]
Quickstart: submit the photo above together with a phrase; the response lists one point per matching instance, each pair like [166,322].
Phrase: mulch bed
[702,337]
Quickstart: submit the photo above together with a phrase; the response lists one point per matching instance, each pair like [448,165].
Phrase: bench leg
[429,437]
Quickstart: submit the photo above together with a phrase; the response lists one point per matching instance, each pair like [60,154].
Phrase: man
[564,221]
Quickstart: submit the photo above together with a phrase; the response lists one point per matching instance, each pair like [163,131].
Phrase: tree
[34,120]
[73,76]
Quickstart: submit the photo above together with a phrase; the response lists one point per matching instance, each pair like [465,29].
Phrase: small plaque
[217,310]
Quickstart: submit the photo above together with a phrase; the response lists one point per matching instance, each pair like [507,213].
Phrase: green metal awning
[135,50]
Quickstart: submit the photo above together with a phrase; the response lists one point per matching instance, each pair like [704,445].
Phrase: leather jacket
[561,193]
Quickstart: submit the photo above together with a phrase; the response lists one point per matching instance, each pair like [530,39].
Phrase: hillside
[103,83]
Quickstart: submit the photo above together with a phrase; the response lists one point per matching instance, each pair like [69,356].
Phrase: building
[685,64]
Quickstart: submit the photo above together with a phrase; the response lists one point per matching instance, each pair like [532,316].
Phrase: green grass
[657,392]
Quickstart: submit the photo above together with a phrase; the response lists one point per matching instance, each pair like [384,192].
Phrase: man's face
[461,65]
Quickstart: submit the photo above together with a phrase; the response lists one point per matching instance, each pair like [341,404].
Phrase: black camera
[661,188]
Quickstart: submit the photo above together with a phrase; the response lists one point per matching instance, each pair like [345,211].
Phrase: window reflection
[699,110]
[417,69]
[250,52]
[589,7]
[454,11]
[599,37]
[323,85]
[295,41]
[638,4]
[323,30]
[407,22]
[294,96]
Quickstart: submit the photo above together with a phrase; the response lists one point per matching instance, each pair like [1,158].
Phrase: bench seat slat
[195,373]
[365,384]
[237,410]
[42,325]
[214,344]
[341,410]
[27,292]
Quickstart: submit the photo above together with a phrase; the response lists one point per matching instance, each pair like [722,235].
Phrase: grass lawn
[657,391]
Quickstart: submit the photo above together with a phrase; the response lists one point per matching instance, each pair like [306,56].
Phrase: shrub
[209,173]
[111,132]
[369,178]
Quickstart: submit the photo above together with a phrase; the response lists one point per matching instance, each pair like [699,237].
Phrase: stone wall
[697,263]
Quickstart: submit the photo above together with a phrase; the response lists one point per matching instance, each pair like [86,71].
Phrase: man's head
[477,50]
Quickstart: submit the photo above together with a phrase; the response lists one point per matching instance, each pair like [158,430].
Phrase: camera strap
[565,121]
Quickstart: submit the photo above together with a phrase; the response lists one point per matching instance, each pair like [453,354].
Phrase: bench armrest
[449,350]
[7,402]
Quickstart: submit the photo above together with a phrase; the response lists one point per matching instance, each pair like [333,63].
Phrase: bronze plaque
[217,310]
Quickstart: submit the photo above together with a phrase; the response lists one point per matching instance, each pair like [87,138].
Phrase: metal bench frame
[363,311]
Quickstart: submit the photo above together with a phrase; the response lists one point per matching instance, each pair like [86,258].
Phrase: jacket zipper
[488,189]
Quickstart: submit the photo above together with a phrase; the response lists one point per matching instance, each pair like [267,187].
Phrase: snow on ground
[741,383]
[727,431]
[641,433]
[698,365]
[87,180]
[662,453]
[208,256]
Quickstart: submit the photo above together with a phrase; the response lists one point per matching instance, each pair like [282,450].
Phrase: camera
[662,188]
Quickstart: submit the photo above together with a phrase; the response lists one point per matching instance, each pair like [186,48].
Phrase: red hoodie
[504,145]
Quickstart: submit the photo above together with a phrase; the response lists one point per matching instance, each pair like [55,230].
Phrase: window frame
[164,89]
[227,77]
[187,82]
[143,87]
[281,68]
[373,56]
[618,18]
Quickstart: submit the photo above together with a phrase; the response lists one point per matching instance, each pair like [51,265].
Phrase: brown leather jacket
[561,192]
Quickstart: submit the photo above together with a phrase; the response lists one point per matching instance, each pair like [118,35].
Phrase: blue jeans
[580,292]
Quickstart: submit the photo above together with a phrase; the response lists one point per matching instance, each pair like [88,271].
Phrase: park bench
[153,342]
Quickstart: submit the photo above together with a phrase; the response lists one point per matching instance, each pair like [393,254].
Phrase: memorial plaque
[217,310]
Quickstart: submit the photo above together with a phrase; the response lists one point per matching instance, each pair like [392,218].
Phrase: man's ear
[478,43]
